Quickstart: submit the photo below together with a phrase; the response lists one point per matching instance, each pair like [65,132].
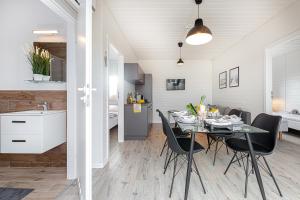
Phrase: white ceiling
[287,46]
[154,27]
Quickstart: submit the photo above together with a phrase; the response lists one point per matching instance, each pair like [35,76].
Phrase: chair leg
[199,176]
[208,143]
[230,162]
[166,159]
[227,149]
[246,173]
[166,167]
[216,151]
[165,144]
[174,172]
[271,174]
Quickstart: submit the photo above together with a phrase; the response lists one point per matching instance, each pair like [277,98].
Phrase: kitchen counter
[143,104]
[137,125]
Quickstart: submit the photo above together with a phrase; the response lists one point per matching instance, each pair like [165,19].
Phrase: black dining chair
[180,147]
[263,145]
[178,133]
[220,137]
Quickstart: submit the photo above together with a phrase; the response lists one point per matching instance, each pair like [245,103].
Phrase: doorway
[282,75]
[115,98]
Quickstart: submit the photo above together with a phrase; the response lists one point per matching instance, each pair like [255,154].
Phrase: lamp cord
[180,52]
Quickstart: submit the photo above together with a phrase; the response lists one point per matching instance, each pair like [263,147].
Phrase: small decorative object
[223,80]
[175,84]
[201,105]
[40,61]
[191,109]
[234,77]
[295,112]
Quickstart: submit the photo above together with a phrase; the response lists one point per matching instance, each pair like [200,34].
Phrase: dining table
[199,127]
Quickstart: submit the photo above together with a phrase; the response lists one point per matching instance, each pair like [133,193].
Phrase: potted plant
[40,61]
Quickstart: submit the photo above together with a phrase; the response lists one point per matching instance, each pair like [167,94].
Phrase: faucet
[44,105]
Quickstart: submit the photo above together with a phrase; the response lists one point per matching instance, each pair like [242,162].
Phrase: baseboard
[100,165]
[79,189]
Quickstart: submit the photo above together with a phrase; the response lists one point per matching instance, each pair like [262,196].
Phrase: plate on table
[187,119]
[180,113]
[218,122]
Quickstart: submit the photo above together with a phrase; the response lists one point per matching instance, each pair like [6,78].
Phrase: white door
[84,94]
[121,101]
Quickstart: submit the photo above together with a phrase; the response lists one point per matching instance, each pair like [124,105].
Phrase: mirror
[58,51]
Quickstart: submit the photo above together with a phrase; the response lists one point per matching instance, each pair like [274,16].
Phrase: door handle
[87,90]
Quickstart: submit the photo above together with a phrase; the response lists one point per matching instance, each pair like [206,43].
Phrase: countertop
[144,104]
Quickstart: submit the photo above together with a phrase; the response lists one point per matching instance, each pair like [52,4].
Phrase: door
[121,101]
[84,94]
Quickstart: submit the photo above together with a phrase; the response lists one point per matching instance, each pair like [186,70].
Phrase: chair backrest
[235,112]
[160,115]
[171,138]
[269,123]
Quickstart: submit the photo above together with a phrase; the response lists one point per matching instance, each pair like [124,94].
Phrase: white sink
[33,112]
[33,131]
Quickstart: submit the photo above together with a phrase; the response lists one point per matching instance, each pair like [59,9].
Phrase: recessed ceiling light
[45,32]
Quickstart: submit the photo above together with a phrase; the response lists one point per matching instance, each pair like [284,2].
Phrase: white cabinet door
[17,125]
[21,143]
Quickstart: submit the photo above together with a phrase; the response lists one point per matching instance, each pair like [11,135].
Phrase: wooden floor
[48,183]
[134,172]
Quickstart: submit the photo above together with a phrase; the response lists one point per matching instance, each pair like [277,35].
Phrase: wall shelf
[55,82]
[45,85]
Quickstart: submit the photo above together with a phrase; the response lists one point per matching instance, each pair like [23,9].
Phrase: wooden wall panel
[12,101]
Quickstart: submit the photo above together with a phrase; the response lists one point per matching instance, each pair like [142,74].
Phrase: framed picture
[175,84]
[234,77]
[223,80]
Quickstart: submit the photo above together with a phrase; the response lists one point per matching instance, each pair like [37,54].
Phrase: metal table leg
[189,167]
[257,173]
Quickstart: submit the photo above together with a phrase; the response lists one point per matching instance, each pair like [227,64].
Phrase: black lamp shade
[199,34]
[180,62]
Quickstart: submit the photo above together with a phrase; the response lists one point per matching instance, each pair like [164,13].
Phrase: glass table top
[200,127]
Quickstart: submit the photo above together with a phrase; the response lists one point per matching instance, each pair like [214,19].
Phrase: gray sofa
[224,110]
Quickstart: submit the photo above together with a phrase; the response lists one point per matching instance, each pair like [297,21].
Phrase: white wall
[286,81]
[18,20]
[116,37]
[104,28]
[249,54]
[198,82]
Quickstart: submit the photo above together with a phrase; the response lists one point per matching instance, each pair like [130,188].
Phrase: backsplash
[12,101]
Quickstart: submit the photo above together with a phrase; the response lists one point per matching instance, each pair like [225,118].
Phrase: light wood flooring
[48,183]
[134,172]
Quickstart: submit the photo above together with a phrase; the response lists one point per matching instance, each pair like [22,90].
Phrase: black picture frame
[234,77]
[175,84]
[223,80]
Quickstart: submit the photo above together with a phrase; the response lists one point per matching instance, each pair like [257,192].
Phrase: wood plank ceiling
[153,27]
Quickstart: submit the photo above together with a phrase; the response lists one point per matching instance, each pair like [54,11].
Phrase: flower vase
[37,77]
[46,78]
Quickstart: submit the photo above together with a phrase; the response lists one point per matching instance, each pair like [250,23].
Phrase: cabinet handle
[18,140]
[18,122]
